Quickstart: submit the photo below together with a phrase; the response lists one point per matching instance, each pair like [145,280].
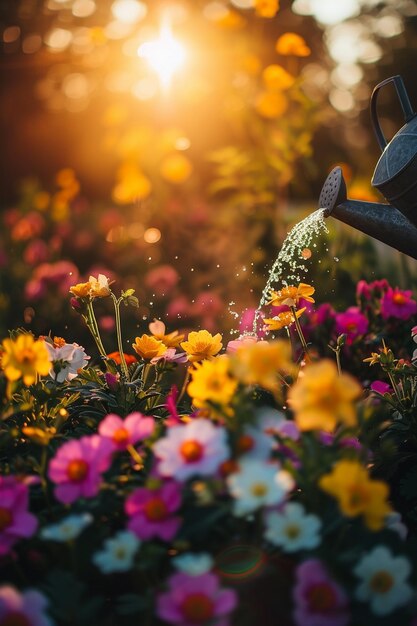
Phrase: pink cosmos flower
[352,323]
[171,356]
[77,467]
[162,279]
[196,601]
[319,601]
[122,433]
[151,511]
[397,303]
[15,520]
[242,341]
[196,448]
[171,407]
[23,609]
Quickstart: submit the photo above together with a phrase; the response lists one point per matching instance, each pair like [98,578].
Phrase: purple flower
[151,511]
[15,520]
[319,601]
[352,323]
[195,601]
[397,303]
[122,433]
[380,387]
[22,609]
[77,467]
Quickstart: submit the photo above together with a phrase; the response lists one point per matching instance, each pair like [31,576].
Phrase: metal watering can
[395,176]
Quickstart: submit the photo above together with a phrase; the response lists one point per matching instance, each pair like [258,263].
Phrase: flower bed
[197,483]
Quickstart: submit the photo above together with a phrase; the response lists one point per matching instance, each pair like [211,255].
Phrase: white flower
[393,521]
[72,357]
[194,564]
[118,553]
[383,580]
[293,529]
[68,528]
[255,444]
[258,484]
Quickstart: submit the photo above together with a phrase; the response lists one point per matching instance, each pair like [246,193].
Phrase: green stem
[123,363]
[300,333]
[184,385]
[395,387]
[94,330]
[339,366]
[135,455]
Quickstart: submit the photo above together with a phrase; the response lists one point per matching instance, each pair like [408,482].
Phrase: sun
[165,55]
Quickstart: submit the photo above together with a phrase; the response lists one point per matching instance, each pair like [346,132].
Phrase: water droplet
[335,258]
[306,253]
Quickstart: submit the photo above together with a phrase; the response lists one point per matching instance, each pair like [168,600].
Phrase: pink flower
[242,341]
[398,303]
[352,323]
[15,520]
[196,448]
[22,609]
[363,290]
[151,511]
[171,356]
[36,252]
[319,601]
[247,319]
[171,407]
[162,279]
[195,601]
[380,387]
[179,307]
[208,304]
[77,467]
[122,433]
[319,316]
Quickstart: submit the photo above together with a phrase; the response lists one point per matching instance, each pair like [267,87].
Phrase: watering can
[395,176]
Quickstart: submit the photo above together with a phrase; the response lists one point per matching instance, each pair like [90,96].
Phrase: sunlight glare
[165,55]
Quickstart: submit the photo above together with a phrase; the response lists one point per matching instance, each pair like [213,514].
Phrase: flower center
[245,443]
[399,298]
[351,326]
[14,618]
[381,582]
[155,509]
[358,496]
[26,357]
[259,490]
[292,531]
[6,518]
[77,470]
[191,451]
[197,608]
[120,436]
[321,598]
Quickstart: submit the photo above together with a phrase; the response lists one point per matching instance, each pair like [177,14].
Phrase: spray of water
[288,268]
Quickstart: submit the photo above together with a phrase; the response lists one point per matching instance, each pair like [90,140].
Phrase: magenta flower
[398,303]
[247,319]
[196,448]
[151,511]
[352,323]
[15,520]
[319,601]
[381,387]
[77,467]
[22,609]
[123,433]
[363,290]
[195,601]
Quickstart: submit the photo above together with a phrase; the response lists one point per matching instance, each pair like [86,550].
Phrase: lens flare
[165,55]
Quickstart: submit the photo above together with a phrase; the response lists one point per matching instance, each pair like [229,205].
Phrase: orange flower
[176,168]
[148,347]
[291,44]
[291,295]
[81,290]
[115,356]
[263,363]
[286,318]
[25,357]
[266,8]
[202,345]
[271,104]
[321,398]
[171,340]
[94,288]
[276,78]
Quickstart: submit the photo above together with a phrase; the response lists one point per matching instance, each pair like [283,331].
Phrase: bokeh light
[164,54]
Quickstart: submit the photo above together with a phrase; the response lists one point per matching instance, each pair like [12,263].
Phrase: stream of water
[289,267]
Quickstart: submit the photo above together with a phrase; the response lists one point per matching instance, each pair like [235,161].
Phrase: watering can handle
[404,101]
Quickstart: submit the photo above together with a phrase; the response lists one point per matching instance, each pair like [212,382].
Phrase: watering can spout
[381,221]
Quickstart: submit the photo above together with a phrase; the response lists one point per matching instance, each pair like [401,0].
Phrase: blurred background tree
[171,144]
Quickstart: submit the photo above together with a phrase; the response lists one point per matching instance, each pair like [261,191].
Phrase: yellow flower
[171,340]
[271,105]
[263,363]
[321,398]
[132,184]
[176,168]
[266,8]
[148,347]
[25,357]
[202,345]
[357,493]
[94,288]
[276,78]
[211,382]
[286,318]
[291,44]
[291,295]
